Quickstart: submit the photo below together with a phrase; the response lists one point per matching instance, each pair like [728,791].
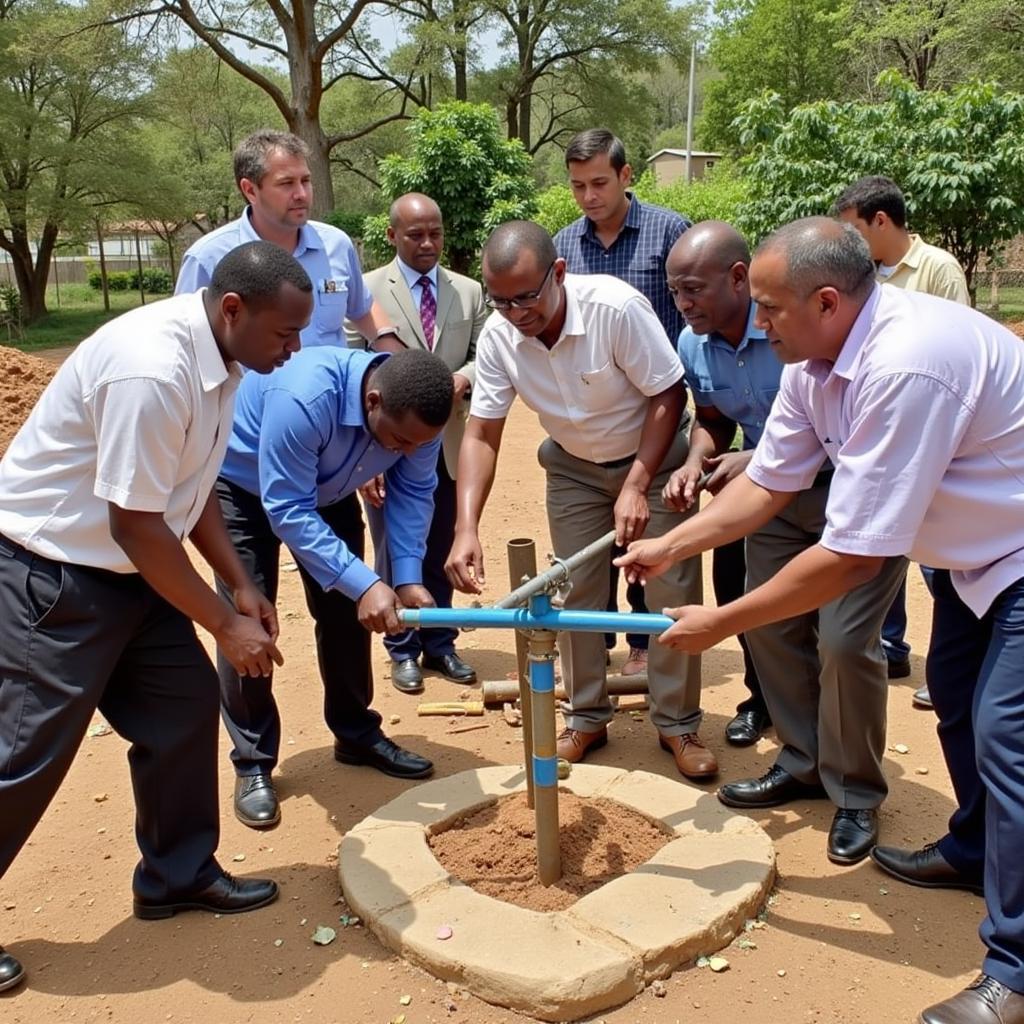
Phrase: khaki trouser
[581,498]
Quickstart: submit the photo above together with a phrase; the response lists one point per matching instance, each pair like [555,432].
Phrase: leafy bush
[350,223]
[155,281]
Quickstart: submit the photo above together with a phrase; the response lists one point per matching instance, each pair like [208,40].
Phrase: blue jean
[976,677]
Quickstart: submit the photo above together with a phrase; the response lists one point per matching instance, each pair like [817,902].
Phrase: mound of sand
[22,379]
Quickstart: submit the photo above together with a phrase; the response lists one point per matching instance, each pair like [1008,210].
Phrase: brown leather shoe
[692,758]
[984,1001]
[572,745]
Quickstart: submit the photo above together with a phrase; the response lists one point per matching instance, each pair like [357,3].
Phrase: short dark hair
[593,141]
[250,156]
[822,252]
[415,381]
[873,194]
[256,270]
[508,241]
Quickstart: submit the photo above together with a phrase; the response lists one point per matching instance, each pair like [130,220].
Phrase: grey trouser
[581,499]
[823,674]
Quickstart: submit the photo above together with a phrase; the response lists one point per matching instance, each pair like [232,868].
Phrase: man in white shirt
[112,470]
[589,356]
[871,372]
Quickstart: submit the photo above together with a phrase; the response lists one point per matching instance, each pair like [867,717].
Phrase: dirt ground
[843,945]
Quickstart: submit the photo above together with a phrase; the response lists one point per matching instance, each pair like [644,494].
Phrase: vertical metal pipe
[545,757]
[522,565]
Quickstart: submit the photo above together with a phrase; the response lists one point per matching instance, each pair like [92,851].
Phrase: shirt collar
[848,360]
[912,257]
[751,333]
[573,325]
[351,412]
[308,238]
[634,213]
[213,371]
[412,277]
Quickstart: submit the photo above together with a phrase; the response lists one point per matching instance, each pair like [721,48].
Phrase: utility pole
[689,113]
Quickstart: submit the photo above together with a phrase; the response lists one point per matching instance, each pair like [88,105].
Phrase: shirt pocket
[599,388]
[330,310]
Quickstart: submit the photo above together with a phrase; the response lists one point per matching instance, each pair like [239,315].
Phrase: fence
[76,269]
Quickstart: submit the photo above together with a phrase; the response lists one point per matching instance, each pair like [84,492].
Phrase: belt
[617,463]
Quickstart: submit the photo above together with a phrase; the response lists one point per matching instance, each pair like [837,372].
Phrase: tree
[788,46]
[460,159]
[551,40]
[958,156]
[322,43]
[69,108]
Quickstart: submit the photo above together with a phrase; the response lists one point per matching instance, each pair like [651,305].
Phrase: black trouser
[73,639]
[728,577]
[342,645]
[439,641]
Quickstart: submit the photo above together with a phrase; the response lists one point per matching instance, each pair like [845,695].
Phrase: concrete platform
[688,900]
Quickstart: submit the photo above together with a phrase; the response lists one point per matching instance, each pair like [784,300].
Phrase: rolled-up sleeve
[408,511]
[789,454]
[907,427]
[292,434]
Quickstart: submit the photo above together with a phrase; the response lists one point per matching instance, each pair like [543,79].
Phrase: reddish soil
[840,945]
[22,379]
[494,850]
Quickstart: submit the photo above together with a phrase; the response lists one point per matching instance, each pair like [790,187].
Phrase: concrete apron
[690,899]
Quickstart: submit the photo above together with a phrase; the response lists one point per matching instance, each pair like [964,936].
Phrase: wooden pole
[522,565]
[103,267]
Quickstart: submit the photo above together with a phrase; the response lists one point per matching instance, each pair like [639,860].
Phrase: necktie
[428,310]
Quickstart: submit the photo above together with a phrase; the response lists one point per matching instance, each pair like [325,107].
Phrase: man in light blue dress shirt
[303,441]
[272,173]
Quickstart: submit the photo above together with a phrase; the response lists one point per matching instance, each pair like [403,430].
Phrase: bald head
[819,252]
[510,241]
[416,231]
[412,206]
[711,244]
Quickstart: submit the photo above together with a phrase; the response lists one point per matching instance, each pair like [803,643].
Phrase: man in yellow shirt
[875,206]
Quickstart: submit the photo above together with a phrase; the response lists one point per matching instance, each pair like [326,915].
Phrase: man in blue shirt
[823,674]
[272,173]
[733,376]
[621,236]
[304,439]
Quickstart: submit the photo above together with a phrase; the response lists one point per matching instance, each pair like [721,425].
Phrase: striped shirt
[637,256]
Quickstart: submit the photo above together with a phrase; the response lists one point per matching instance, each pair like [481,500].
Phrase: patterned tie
[428,310]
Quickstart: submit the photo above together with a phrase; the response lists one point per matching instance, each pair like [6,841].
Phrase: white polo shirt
[922,415]
[139,415]
[590,389]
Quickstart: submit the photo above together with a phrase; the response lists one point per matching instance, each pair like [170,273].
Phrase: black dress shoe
[852,835]
[406,676]
[746,728]
[775,787]
[452,667]
[926,868]
[386,756]
[256,803]
[227,895]
[898,668]
[11,971]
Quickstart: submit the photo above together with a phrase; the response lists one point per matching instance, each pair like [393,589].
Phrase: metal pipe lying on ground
[501,691]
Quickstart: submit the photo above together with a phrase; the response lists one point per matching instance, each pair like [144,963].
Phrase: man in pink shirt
[918,403]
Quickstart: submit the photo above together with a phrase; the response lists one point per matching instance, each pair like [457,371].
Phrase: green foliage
[717,196]
[478,178]
[10,305]
[351,223]
[958,156]
[155,281]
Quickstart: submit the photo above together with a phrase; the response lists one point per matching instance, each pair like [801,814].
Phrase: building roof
[680,153]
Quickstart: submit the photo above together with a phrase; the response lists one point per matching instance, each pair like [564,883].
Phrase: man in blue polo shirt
[823,674]
[304,439]
[621,236]
[733,376]
[272,173]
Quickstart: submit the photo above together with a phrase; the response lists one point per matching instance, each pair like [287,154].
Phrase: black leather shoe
[452,667]
[12,973]
[406,676]
[256,803]
[386,756]
[746,728]
[898,668]
[926,868]
[228,895]
[775,787]
[852,835]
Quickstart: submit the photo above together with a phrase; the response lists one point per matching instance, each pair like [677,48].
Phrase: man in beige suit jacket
[415,292]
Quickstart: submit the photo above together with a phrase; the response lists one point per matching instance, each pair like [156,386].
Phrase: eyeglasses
[526,301]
